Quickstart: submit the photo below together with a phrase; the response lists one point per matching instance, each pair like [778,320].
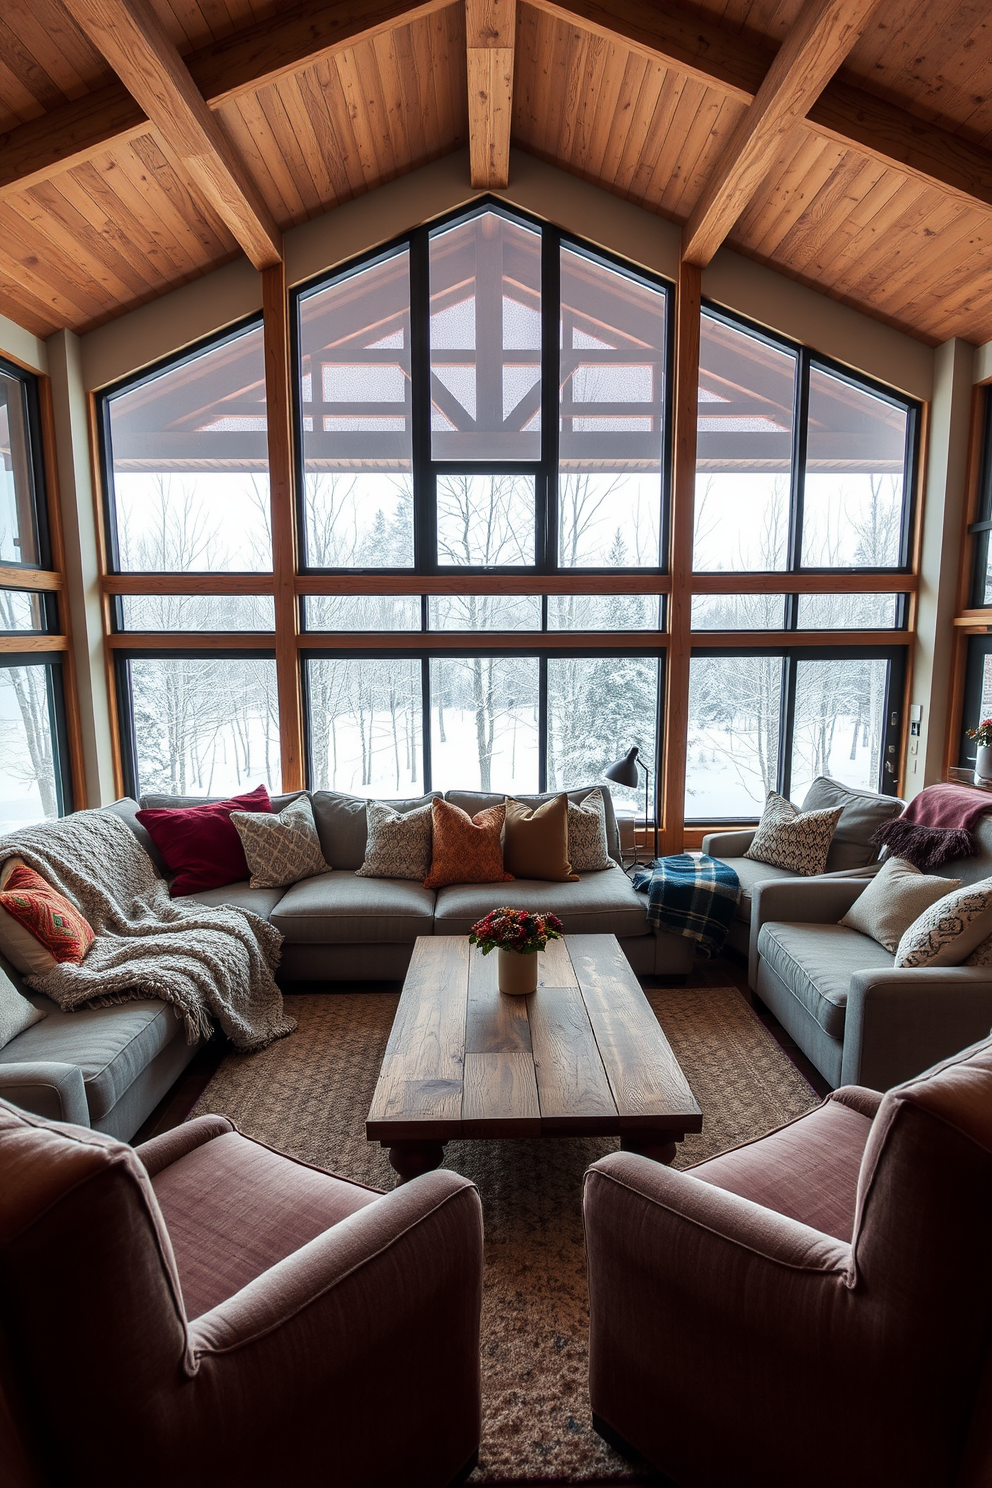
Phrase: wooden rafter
[490,32]
[737,66]
[823,34]
[134,42]
[240,64]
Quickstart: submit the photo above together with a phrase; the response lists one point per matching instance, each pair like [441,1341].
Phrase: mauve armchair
[206,1311]
[813,1308]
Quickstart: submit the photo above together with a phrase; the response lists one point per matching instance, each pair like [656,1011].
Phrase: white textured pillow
[16,1013]
[400,843]
[795,840]
[588,849]
[894,899]
[280,848]
[948,932]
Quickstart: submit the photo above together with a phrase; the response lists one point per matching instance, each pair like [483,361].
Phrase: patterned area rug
[309,1095]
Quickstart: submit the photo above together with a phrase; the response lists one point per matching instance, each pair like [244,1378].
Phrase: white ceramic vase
[983,765]
[516,974]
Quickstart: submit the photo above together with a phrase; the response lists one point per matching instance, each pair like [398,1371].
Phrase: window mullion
[546,551]
[424,514]
[787,724]
[797,475]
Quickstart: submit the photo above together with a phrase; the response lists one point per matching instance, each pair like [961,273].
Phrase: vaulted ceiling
[846,143]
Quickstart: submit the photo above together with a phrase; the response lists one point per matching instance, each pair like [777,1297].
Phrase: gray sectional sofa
[110,1067]
[856,1016]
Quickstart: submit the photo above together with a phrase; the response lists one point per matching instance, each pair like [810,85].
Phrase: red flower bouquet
[515,930]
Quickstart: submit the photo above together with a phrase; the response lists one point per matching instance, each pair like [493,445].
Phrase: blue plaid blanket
[691,895]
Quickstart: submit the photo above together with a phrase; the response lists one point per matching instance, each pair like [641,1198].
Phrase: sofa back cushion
[862,813]
[127,809]
[475,801]
[200,844]
[970,870]
[342,824]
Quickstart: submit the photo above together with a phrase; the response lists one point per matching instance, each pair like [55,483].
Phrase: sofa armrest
[49,1088]
[168,1147]
[902,1019]
[728,844]
[799,901]
[382,1307]
[858,1098]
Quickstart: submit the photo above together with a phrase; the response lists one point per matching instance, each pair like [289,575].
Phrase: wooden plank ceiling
[845,143]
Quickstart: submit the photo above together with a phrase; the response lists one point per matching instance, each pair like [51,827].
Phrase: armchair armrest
[903,1019]
[168,1147]
[799,901]
[728,844]
[368,1333]
[47,1087]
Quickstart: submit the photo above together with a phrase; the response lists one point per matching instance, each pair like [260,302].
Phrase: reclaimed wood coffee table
[584,1055]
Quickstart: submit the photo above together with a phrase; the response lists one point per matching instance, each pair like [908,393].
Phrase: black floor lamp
[624,772]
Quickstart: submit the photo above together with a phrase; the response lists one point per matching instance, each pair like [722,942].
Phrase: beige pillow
[281,848]
[795,840]
[16,1013]
[399,842]
[22,949]
[588,846]
[894,898]
[948,932]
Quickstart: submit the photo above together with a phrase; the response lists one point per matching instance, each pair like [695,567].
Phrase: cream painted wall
[199,309]
[982,369]
[20,346]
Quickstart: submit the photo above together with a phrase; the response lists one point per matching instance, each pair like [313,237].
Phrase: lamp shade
[624,771]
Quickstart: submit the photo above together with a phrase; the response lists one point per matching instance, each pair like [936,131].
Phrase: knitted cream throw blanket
[209,962]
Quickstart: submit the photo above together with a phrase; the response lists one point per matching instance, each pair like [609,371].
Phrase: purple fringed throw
[936,826]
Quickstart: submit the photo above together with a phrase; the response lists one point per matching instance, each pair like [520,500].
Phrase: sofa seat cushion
[603,903]
[111,1045]
[750,873]
[233,1208]
[341,908]
[816,963]
[241,895]
[807,1170]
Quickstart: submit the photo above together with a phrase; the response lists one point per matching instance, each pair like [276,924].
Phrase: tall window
[34,765]
[482,458]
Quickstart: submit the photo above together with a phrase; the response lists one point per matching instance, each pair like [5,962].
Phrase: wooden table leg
[659,1146]
[410,1159]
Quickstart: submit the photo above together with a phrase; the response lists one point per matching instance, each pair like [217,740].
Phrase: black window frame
[888,778]
[425,628]
[424,468]
[808,360]
[105,455]
[37,475]
[979,647]
[426,654]
[125,696]
[981,527]
[55,687]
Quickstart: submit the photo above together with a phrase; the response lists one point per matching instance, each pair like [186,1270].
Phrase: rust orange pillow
[40,928]
[466,848]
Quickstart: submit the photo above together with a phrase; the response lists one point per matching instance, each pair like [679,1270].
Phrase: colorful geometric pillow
[399,842]
[41,928]
[466,848]
[796,841]
[200,844]
[280,848]
[588,845]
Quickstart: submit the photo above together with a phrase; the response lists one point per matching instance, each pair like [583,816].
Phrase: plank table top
[584,1055]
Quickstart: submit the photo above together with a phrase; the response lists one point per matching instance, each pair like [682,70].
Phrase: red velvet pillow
[200,844]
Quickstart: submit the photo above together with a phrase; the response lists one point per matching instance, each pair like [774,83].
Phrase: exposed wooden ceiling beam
[134,42]
[737,66]
[817,43]
[250,59]
[490,34]
[290,39]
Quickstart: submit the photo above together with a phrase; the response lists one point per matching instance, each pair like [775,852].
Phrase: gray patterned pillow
[280,848]
[948,932]
[587,843]
[399,844]
[795,840]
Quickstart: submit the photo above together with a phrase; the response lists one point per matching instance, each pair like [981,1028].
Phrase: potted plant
[983,759]
[517,935]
